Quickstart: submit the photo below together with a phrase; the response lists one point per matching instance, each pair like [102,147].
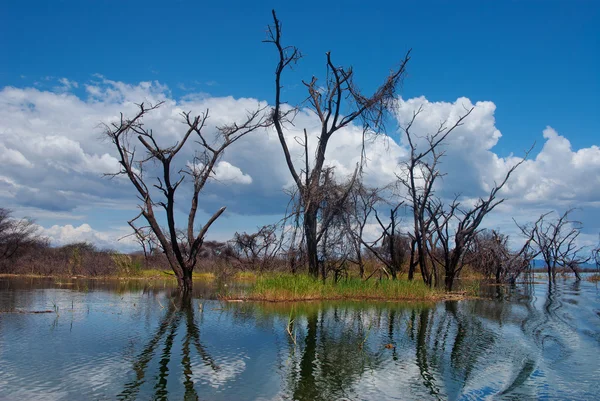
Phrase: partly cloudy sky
[55,95]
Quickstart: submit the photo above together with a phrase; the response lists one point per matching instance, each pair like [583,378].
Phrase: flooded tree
[490,254]
[456,226]
[556,240]
[596,256]
[337,103]
[181,251]
[442,230]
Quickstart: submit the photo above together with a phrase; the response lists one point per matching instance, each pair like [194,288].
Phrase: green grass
[245,276]
[300,287]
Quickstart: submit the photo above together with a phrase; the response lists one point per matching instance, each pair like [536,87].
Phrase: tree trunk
[361,266]
[449,281]
[187,280]
[184,279]
[310,232]
[412,264]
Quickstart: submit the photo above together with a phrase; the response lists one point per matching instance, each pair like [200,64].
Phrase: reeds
[301,287]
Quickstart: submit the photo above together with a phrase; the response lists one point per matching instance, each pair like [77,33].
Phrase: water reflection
[180,308]
[135,341]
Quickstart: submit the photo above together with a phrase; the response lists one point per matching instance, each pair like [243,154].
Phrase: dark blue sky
[538,61]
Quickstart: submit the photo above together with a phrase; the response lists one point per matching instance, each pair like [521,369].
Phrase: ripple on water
[110,342]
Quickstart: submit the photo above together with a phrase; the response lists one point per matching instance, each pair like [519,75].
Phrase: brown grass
[594,278]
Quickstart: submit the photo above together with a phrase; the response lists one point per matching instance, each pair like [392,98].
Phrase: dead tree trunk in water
[467,222]
[181,251]
[556,241]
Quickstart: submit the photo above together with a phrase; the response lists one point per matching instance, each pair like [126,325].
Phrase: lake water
[115,340]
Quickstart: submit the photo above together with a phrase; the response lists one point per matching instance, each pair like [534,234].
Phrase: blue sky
[537,61]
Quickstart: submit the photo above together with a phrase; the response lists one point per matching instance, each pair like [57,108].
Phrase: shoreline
[281,288]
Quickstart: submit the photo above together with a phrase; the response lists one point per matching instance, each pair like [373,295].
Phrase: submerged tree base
[288,287]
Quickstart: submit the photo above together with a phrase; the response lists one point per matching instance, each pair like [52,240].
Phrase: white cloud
[13,157]
[557,178]
[67,234]
[53,156]
[67,84]
[224,172]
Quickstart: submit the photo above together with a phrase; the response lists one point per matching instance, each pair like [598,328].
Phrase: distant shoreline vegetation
[270,276]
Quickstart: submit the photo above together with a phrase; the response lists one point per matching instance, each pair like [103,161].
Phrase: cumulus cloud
[11,157]
[67,234]
[227,172]
[224,173]
[556,178]
[53,157]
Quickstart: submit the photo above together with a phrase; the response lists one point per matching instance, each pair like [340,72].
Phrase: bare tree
[520,261]
[17,236]
[391,247]
[146,238]
[490,255]
[337,104]
[181,253]
[435,245]
[417,176]
[556,240]
[363,201]
[455,242]
[596,255]
[258,250]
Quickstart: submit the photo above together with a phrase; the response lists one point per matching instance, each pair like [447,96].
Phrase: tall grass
[300,287]
[126,266]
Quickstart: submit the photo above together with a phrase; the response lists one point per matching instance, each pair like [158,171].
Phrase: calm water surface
[129,341]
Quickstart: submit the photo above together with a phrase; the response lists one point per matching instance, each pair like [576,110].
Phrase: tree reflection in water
[180,309]
[331,355]
[530,341]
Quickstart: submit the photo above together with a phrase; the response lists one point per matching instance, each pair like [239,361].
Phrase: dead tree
[337,103]
[182,255]
[335,249]
[490,255]
[417,176]
[258,250]
[362,201]
[556,241]
[145,238]
[454,242]
[596,255]
[17,236]
[434,244]
[334,240]
[390,248]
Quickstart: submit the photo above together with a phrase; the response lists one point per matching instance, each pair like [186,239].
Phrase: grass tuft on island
[301,287]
